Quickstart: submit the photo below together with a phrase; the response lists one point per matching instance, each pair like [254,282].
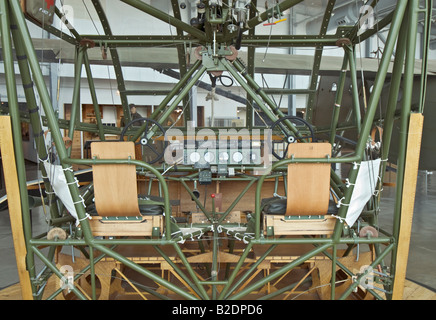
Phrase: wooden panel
[14,204]
[299,227]
[76,148]
[308,183]
[115,186]
[412,292]
[232,217]
[144,227]
[408,201]
[229,189]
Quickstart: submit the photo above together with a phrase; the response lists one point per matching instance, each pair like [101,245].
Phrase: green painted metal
[139,41]
[75,105]
[33,114]
[372,106]
[376,261]
[197,202]
[181,52]
[58,33]
[11,89]
[237,268]
[144,271]
[177,269]
[393,96]
[268,110]
[405,115]
[274,109]
[426,47]
[405,43]
[191,271]
[379,25]
[46,103]
[159,110]
[282,6]
[355,87]
[115,60]
[279,272]
[55,270]
[353,33]
[93,97]
[293,40]
[338,100]
[317,61]
[185,91]
[237,199]
[251,51]
[227,291]
[166,18]
[70,27]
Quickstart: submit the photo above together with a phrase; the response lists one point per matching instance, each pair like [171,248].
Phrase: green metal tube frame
[405,116]
[100,244]
[355,91]
[11,89]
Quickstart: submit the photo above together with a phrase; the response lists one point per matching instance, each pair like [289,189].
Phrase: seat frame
[119,215]
[308,195]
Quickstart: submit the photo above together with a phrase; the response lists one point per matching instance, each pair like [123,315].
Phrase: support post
[15,131]
[75,104]
[33,112]
[338,99]
[14,204]
[411,23]
[94,97]
[408,202]
[355,90]
[17,14]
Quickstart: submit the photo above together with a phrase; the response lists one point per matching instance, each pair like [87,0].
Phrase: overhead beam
[115,59]
[252,40]
[206,86]
[166,18]
[270,12]
[251,52]
[181,52]
[317,61]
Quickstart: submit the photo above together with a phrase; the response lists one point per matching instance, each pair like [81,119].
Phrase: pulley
[57,234]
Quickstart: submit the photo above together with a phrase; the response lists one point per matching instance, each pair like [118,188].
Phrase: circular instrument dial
[237,156]
[209,157]
[223,156]
[194,157]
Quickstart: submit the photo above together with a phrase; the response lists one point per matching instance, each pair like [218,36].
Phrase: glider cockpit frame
[218,52]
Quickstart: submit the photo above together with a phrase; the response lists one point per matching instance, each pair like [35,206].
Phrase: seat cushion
[151,209]
[277,206]
[148,206]
[274,205]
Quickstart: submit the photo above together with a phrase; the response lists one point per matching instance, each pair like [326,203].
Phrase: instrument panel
[205,154]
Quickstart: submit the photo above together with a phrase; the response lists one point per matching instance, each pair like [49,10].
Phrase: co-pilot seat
[307,208]
[118,210]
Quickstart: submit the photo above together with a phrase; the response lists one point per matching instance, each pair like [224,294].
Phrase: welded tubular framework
[240,280]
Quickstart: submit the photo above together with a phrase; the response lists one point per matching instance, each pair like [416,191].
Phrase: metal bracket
[317,217]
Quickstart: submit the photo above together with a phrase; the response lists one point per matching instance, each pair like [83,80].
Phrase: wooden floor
[412,291]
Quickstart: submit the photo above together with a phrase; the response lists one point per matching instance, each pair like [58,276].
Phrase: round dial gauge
[209,157]
[194,157]
[223,156]
[237,156]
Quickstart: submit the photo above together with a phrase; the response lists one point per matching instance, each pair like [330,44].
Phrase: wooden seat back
[115,185]
[308,183]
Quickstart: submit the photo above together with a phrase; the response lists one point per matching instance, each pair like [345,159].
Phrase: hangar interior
[217,149]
